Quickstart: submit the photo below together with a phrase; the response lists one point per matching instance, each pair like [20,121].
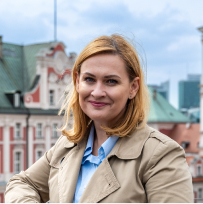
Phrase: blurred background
[39,43]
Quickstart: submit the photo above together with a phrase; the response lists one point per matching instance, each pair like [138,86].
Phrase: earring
[130,96]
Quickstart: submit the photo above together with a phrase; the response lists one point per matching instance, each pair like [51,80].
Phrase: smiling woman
[110,155]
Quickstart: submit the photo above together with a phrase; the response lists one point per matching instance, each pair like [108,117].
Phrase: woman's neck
[99,138]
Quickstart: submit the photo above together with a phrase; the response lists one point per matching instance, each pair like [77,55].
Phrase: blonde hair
[137,108]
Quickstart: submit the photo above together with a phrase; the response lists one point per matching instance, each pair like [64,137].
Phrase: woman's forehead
[107,62]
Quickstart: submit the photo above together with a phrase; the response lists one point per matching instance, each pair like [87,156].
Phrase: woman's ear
[77,77]
[134,87]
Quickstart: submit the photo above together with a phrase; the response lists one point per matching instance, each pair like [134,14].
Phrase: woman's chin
[100,120]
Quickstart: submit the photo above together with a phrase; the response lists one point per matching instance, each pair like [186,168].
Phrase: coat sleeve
[167,176]
[31,186]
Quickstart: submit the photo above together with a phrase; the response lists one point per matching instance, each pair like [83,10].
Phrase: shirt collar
[89,146]
[106,147]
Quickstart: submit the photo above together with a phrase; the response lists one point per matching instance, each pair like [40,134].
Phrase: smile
[98,104]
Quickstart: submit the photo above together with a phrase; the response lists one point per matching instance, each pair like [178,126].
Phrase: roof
[18,71]
[162,111]
[32,111]
[187,133]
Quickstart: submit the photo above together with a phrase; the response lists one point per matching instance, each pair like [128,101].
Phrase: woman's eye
[112,81]
[89,79]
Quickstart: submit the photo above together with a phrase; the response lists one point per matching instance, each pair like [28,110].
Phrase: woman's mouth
[98,104]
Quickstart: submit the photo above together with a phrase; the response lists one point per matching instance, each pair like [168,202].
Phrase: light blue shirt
[90,162]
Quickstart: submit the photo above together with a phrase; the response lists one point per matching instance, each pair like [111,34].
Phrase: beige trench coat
[145,167]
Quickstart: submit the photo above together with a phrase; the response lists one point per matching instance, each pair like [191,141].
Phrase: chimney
[154,94]
[1,48]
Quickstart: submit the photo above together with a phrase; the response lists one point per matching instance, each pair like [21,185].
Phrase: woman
[110,155]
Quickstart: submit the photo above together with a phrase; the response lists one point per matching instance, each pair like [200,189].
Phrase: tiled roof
[162,111]
[187,133]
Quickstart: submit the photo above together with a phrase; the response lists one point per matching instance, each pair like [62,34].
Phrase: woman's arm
[31,186]
[167,176]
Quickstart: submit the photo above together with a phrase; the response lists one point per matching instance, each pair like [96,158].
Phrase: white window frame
[18,131]
[36,153]
[51,97]
[54,131]
[0,160]
[199,194]
[199,166]
[39,131]
[16,162]
[16,100]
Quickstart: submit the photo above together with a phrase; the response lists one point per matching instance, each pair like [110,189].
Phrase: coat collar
[129,147]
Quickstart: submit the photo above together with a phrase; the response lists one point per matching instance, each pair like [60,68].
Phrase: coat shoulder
[164,139]
[159,145]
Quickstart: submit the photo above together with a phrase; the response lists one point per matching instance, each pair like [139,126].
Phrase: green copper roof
[17,69]
[162,111]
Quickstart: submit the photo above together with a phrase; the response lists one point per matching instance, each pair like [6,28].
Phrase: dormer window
[16,100]
[51,97]
[185,145]
[199,170]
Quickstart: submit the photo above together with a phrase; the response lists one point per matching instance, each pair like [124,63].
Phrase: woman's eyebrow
[108,76]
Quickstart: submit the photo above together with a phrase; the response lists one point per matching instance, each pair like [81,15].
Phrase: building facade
[189,92]
[33,80]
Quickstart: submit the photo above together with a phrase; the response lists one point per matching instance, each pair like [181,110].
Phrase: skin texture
[104,88]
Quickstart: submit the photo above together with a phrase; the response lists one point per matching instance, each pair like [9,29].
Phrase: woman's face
[104,88]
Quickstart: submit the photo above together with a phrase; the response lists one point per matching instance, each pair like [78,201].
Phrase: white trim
[52,97]
[54,131]
[39,131]
[36,153]
[199,194]
[21,160]
[16,100]
[197,167]
[18,131]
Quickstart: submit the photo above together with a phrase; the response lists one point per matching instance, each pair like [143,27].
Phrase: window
[16,100]
[199,195]
[51,97]
[185,145]
[39,154]
[55,133]
[17,162]
[39,130]
[17,131]
[199,170]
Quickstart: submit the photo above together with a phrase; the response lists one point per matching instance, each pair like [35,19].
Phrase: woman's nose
[98,90]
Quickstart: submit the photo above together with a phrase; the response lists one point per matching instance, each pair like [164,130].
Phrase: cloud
[164,30]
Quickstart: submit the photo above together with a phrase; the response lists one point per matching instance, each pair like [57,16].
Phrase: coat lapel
[103,181]
[69,171]
[102,184]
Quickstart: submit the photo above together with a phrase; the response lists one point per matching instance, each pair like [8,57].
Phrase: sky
[164,31]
